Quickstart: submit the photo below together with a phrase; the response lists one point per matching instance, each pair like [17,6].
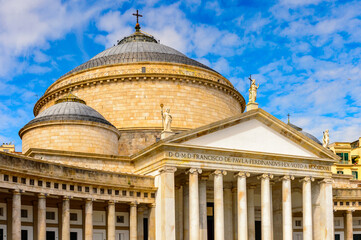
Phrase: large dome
[129,82]
[132,52]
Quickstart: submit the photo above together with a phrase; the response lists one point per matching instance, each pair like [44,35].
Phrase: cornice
[55,94]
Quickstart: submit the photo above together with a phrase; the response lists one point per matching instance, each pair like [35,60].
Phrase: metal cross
[138,15]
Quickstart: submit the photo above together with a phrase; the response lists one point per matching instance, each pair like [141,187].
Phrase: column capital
[42,195]
[287,177]
[168,169]
[194,171]
[265,176]
[66,198]
[89,200]
[242,174]
[152,205]
[17,191]
[220,172]
[133,204]
[111,202]
[350,211]
[326,180]
[307,179]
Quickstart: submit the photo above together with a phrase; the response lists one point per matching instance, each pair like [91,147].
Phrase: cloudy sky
[304,53]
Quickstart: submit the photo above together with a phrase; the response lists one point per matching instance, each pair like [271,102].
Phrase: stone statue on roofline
[325,139]
[253,91]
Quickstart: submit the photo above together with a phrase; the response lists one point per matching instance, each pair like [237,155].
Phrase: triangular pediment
[251,135]
[254,131]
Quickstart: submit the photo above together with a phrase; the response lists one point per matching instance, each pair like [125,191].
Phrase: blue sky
[304,53]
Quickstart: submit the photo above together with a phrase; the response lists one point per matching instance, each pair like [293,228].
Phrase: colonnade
[134,229]
[194,199]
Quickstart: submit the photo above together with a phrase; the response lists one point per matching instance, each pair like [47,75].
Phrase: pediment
[251,135]
[255,131]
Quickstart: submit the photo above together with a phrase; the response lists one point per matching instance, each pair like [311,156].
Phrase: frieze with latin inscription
[247,161]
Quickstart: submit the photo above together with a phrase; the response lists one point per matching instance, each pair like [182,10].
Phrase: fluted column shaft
[218,205]
[111,221]
[349,227]
[193,204]
[287,208]
[307,208]
[88,219]
[16,216]
[41,216]
[65,219]
[133,222]
[266,207]
[242,205]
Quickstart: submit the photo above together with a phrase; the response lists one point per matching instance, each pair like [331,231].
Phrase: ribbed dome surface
[137,51]
[305,133]
[69,111]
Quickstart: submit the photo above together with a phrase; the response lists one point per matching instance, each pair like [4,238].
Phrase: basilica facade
[142,142]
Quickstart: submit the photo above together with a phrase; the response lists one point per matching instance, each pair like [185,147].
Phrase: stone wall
[130,99]
[77,136]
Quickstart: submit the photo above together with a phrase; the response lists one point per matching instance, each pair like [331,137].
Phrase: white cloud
[30,25]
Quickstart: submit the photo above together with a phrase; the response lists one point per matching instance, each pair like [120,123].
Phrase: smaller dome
[304,133]
[70,107]
[70,125]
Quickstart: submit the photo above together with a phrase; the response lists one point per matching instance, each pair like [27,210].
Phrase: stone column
[271,206]
[228,214]
[235,213]
[140,219]
[88,219]
[194,203]
[287,207]
[266,206]
[111,221]
[307,208]
[65,219]
[151,226]
[327,209]
[218,205]
[133,222]
[165,204]
[349,227]
[250,213]
[41,216]
[203,208]
[186,211]
[242,205]
[16,216]
[179,212]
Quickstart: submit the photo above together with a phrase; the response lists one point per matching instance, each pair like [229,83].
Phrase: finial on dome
[137,26]
[70,98]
